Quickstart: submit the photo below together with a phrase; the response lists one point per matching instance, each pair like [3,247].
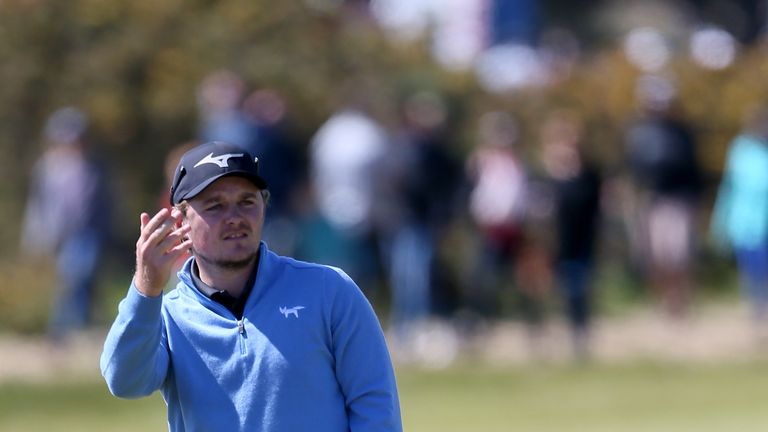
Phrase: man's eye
[248,202]
[213,207]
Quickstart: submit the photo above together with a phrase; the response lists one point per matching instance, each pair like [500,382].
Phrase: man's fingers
[180,249]
[176,214]
[173,239]
[160,244]
[144,218]
[158,228]
[157,220]
[170,255]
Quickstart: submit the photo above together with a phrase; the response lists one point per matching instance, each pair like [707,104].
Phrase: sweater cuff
[141,306]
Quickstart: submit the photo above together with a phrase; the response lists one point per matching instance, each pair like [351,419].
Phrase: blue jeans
[575,279]
[753,271]
[77,265]
[411,276]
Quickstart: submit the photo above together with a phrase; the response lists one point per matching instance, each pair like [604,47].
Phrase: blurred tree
[135,65]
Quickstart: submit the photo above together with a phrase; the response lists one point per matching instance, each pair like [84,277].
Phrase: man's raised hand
[159,245]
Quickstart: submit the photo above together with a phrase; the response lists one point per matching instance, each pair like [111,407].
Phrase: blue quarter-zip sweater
[308,355]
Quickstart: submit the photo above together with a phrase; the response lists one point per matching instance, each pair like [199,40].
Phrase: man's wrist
[141,287]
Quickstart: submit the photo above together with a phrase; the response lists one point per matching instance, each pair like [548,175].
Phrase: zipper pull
[241,330]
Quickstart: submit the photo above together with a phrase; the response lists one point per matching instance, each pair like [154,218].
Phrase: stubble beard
[225,264]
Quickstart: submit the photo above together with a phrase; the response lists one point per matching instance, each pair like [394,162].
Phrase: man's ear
[266,195]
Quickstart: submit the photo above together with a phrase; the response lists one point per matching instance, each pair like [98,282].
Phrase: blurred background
[510,182]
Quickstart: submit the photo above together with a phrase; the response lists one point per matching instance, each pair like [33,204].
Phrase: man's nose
[233,215]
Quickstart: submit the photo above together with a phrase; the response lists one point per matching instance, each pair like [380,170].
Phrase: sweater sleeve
[719,220]
[135,358]
[363,365]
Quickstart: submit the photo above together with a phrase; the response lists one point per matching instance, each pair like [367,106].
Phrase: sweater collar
[264,266]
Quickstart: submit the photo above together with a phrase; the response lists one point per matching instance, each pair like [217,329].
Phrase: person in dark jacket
[576,186]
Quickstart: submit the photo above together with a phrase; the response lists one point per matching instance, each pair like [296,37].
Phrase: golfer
[248,340]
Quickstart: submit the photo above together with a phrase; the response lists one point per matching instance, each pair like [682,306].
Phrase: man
[667,185]
[248,340]
[67,218]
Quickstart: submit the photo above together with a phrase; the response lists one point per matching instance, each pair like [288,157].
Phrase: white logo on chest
[291,311]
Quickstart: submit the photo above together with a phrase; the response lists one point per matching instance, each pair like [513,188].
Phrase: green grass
[611,399]
[76,406]
[626,398]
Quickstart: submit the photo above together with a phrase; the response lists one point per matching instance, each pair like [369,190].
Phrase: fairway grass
[629,398]
[636,397]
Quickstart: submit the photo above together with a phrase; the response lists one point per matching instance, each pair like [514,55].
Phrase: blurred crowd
[509,227]
[430,233]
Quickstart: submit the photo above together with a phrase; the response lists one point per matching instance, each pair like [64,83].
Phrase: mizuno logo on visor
[222,161]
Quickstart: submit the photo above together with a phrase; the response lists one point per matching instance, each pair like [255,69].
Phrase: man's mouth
[235,236]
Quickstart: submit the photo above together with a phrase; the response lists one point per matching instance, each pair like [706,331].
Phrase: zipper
[243,335]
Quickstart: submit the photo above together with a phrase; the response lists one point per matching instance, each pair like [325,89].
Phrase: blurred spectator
[497,205]
[740,218]
[68,217]
[424,179]
[221,119]
[345,156]
[576,183]
[272,141]
[661,151]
